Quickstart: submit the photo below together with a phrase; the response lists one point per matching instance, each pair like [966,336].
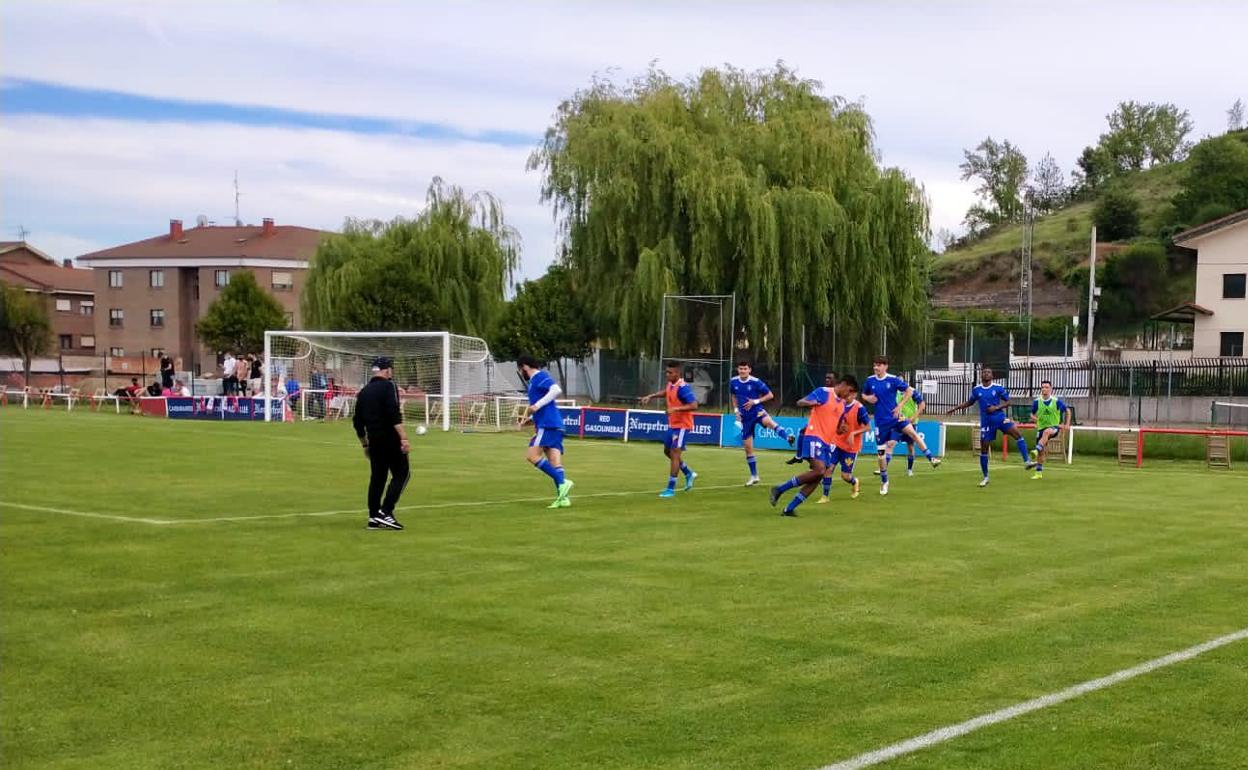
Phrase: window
[87,307]
[117,352]
[156,278]
[88,341]
[157,316]
[67,341]
[290,320]
[221,278]
[1233,285]
[116,316]
[1232,344]
[283,281]
[158,352]
[63,306]
[114,279]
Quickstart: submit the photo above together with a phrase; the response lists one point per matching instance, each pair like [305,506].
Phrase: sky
[118,116]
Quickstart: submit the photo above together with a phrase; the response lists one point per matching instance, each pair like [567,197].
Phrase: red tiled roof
[7,246]
[286,242]
[47,277]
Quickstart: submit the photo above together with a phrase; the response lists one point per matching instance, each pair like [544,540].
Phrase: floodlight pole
[1092,296]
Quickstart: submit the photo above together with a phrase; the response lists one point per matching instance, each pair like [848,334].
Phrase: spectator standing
[166,371]
[180,389]
[319,383]
[292,393]
[255,375]
[229,374]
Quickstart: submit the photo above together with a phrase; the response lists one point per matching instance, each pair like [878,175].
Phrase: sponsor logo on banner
[223,408]
[653,426]
[764,438]
[604,423]
[647,426]
[571,420]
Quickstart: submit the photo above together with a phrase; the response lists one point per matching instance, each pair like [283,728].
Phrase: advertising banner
[571,420]
[648,425]
[603,423]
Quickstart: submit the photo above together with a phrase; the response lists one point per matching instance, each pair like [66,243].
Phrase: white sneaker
[910,471]
[984,482]
[753,480]
[884,489]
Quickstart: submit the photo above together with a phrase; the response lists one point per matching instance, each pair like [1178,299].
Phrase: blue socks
[926,453]
[797,500]
[910,461]
[671,483]
[556,474]
[1022,449]
[827,485]
[1039,467]
[749,459]
[852,480]
[786,486]
[983,463]
[685,470]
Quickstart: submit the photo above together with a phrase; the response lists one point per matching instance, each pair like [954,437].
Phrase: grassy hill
[1060,240]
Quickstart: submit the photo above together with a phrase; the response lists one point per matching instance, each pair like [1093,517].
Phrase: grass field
[260,625]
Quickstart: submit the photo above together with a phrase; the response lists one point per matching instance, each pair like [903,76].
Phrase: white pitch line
[950,732]
[337,512]
[85,514]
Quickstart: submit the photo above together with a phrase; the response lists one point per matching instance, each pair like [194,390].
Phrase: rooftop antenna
[237,221]
[22,232]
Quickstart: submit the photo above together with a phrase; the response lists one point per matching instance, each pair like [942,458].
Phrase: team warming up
[837,424]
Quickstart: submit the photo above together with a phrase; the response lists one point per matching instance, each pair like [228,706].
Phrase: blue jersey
[548,416]
[886,389]
[990,395]
[748,390]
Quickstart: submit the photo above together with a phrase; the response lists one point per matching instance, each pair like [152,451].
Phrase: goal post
[329,368]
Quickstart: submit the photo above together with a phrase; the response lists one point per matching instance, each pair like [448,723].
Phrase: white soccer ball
[421,430]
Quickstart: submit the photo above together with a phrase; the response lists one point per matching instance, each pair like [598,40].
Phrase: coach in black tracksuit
[379,424]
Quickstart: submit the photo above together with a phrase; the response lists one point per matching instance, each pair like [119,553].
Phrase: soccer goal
[439,374]
[696,331]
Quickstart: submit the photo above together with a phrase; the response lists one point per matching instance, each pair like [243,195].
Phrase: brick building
[70,294]
[151,292]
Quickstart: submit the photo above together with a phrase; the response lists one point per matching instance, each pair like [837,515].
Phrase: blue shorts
[675,438]
[886,432]
[750,422]
[846,459]
[899,433]
[548,438]
[987,432]
[813,448]
[1045,434]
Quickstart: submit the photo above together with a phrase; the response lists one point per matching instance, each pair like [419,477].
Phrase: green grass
[625,631]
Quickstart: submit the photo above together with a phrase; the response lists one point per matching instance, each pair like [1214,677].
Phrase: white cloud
[135,176]
[935,77]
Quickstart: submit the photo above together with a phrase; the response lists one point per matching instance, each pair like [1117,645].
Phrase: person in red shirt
[680,405]
[847,445]
[827,412]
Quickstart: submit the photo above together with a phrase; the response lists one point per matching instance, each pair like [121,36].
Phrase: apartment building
[69,293]
[150,293]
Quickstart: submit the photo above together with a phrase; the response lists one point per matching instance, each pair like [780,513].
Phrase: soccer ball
[421,430]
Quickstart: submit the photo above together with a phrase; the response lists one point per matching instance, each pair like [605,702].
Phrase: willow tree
[448,268]
[735,182]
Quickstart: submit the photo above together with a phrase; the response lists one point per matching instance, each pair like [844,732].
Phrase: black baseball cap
[382,362]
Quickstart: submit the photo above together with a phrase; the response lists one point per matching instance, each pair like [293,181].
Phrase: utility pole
[238,222]
[1092,293]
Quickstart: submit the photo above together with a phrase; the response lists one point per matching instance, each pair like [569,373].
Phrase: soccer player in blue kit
[546,446]
[994,406]
[882,389]
[750,393]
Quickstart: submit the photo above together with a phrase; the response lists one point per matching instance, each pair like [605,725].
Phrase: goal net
[696,331]
[441,376]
